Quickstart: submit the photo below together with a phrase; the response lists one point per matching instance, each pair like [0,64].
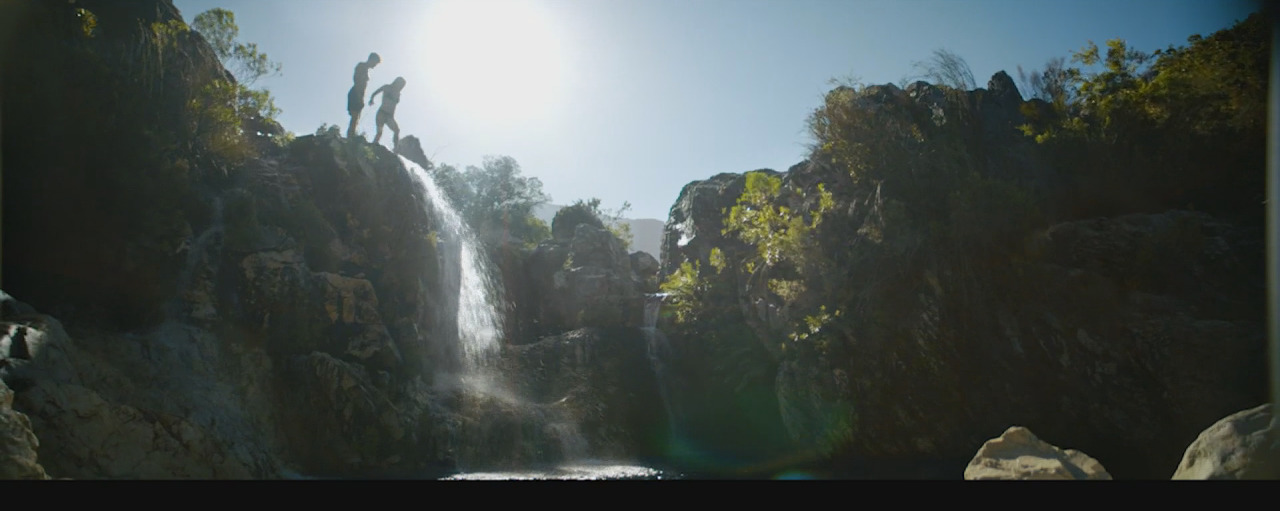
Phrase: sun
[493,61]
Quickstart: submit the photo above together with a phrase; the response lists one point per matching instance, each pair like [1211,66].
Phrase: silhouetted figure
[387,112]
[355,98]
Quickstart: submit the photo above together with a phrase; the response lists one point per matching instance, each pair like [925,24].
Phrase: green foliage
[496,199]
[215,121]
[88,22]
[814,324]
[1184,125]
[534,231]
[685,290]
[717,259]
[328,130]
[867,140]
[244,60]
[785,243]
[451,181]
[778,233]
[221,104]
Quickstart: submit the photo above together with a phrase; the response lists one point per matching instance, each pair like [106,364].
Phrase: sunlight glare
[493,61]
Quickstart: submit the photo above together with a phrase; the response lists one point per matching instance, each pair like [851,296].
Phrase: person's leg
[355,119]
[354,106]
[395,132]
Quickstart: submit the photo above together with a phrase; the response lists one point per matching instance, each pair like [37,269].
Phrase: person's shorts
[385,117]
[355,101]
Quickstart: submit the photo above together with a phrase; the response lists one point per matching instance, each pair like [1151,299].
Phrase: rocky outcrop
[599,382]
[1244,445]
[583,280]
[18,444]
[696,221]
[137,406]
[646,270]
[1019,455]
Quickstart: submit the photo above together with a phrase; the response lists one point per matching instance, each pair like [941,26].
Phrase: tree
[498,201]
[1176,127]
[246,63]
[454,185]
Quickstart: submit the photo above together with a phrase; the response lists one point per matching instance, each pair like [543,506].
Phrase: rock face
[102,179]
[1244,445]
[103,410]
[18,444]
[583,280]
[646,270]
[599,384]
[697,219]
[1019,455]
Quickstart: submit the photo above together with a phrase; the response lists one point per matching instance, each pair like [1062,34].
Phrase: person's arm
[375,93]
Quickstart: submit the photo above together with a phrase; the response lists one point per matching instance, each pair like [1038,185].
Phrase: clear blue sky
[635,98]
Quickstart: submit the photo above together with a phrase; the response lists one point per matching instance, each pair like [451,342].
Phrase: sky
[629,100]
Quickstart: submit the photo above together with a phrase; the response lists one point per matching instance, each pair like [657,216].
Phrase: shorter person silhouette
[387,112]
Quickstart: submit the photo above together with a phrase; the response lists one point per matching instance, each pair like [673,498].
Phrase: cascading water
[197,248]
[485,395]
[494,421]
[478,326]
[659,352]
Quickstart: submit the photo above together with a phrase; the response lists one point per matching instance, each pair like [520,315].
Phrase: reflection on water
[574,472]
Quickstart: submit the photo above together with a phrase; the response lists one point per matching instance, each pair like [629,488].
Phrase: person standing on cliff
[387,112]
[355,98]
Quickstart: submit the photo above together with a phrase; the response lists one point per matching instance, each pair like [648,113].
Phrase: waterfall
[197,252]
[659,352]
[478,326]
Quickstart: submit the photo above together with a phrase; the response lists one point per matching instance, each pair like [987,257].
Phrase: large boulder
[646,269]
[584,280]
[1019,455]
[1244,445]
